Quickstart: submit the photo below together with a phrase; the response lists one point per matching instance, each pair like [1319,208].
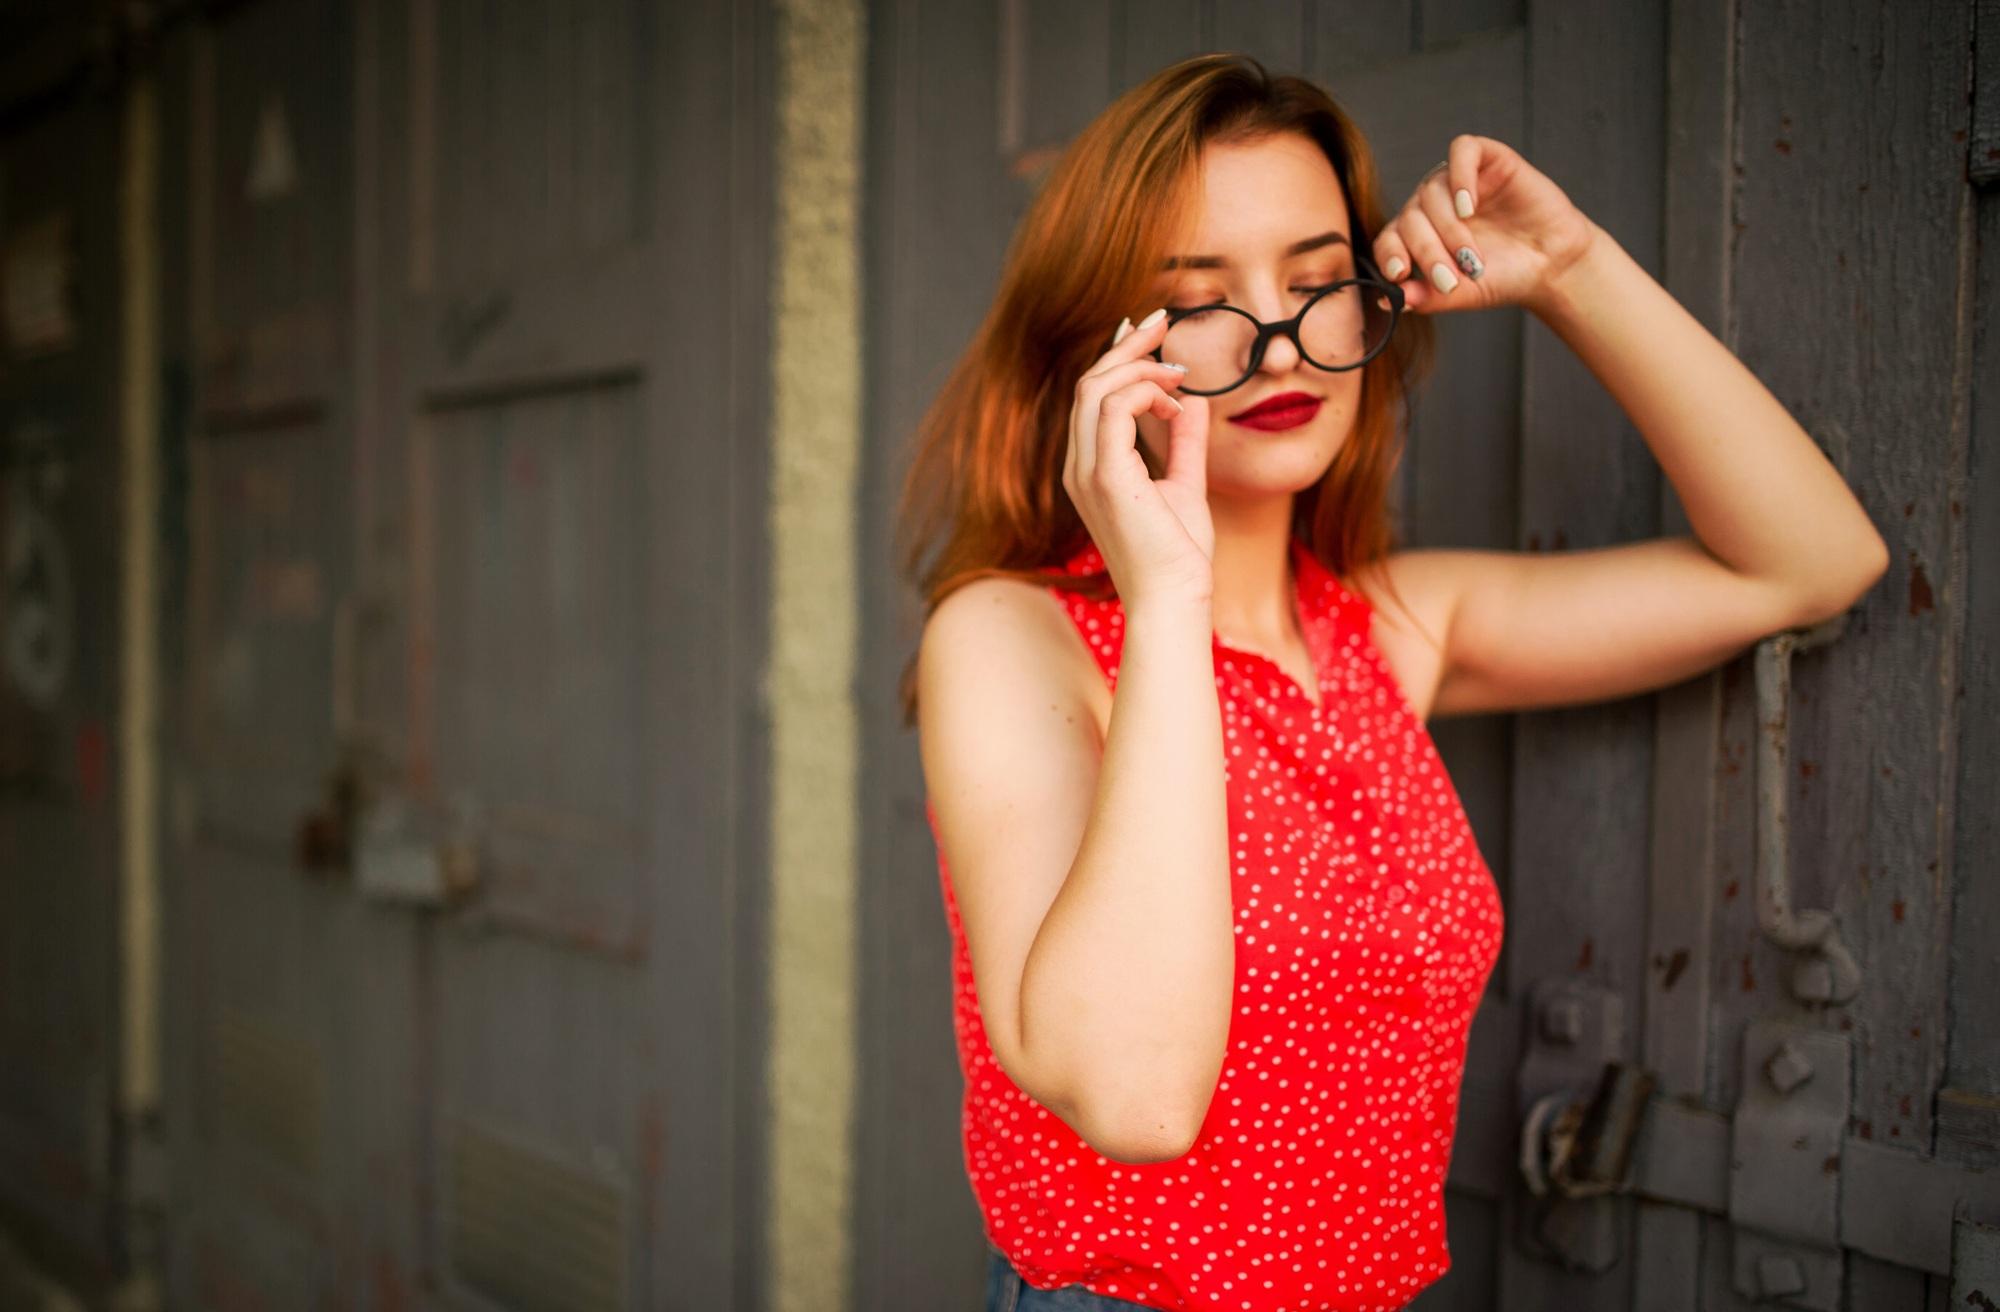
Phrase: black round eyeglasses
[1343,326]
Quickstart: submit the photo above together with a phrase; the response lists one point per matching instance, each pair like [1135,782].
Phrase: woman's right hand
[1156,536]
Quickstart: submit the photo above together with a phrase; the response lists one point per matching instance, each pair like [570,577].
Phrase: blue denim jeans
[1006,1291]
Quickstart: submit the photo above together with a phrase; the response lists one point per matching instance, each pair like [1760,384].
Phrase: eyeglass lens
[1338,330]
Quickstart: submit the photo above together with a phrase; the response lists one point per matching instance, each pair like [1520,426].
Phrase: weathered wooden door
[1798,1146]
[59,673]
[477,309]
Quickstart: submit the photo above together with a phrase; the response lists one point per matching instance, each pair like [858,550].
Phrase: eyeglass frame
[1290,327]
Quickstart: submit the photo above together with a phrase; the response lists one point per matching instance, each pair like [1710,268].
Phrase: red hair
[985,481]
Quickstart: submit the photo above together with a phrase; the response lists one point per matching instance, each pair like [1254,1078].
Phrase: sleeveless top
[1367,925]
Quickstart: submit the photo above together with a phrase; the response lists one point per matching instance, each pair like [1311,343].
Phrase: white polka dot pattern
[1368,924]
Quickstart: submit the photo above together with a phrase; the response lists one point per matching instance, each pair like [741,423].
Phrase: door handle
[1825,970]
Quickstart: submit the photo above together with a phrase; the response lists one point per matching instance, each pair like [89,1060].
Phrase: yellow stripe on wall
[816,448]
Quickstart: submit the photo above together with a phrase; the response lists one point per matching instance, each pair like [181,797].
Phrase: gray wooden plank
[1973,1061]
[1151,34]
[1358,34]
[1440,22]
[1582,775]
[1272,32]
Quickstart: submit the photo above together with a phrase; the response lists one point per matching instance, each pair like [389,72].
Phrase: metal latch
[1784,1164]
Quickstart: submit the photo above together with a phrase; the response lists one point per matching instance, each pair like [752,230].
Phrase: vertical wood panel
[1853,223]
[1582,775]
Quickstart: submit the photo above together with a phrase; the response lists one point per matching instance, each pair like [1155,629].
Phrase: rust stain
[1562,540]
[222,1286]
[1864,1129]
[92,762]
[1534,542]
[391,1292]
[1909,508]
[1807,769]
[652,1141]
[1749,975]
[1676,964]
[1583,958]
[1729,890]
[1784,146]
[1903,1105]
[1831,1166]
[1921,598]
[1916,1031]
[1896,911]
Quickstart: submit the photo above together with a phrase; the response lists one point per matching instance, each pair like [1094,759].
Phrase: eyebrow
[1296,248]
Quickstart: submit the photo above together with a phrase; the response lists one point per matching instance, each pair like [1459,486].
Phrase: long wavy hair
[983,493]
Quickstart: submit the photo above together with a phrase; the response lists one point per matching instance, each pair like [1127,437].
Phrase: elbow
[1841,590]
[1141,1139]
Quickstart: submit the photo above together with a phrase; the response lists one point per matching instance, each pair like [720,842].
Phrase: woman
[1219,923]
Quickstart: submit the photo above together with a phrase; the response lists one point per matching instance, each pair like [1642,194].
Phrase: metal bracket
[1574,1029]
[1784,1164]
[1825,971]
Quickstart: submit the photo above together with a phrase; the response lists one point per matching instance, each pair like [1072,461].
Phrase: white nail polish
[1153,318]
[1442,276]
[1394,268]
[1177,368]
[1461,201]
[1124,327]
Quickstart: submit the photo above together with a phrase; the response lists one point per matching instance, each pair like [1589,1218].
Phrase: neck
[1253,584]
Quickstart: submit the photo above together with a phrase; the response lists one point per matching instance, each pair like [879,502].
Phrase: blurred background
[458,847]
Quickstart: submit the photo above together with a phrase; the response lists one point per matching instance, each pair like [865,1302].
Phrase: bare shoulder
[1411,628]
[994,633]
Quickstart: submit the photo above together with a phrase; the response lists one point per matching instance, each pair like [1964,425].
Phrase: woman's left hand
[1523,232]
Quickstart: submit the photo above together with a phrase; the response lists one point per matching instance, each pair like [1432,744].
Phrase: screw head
[1788,1067]
[1562,1020]
[1779,1275]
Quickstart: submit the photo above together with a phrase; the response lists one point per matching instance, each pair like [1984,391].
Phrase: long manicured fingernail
[1461,200]
[1124,327]
[1152,319]
[1443,277]
[1468,260]
[1177,368]
[1394,268]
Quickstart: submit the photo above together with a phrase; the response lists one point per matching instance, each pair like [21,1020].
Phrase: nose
[1280,355]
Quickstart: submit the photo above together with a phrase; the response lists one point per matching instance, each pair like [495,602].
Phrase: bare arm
[1094,890]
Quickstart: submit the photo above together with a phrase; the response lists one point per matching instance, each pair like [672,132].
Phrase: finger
[1462,173]
[1451,230]
[1187,445]
[1142,340]
[1427,252]
[1091,391]
[1391,256]
[1115,440]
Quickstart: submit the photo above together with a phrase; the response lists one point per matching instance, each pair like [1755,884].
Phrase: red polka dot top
[1367,925]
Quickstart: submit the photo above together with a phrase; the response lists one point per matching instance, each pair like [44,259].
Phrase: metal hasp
[1574,1030]
[1784,1164]
[1824,971]
[1585,1149]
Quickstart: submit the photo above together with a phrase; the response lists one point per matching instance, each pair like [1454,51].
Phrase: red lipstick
[1276,413]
